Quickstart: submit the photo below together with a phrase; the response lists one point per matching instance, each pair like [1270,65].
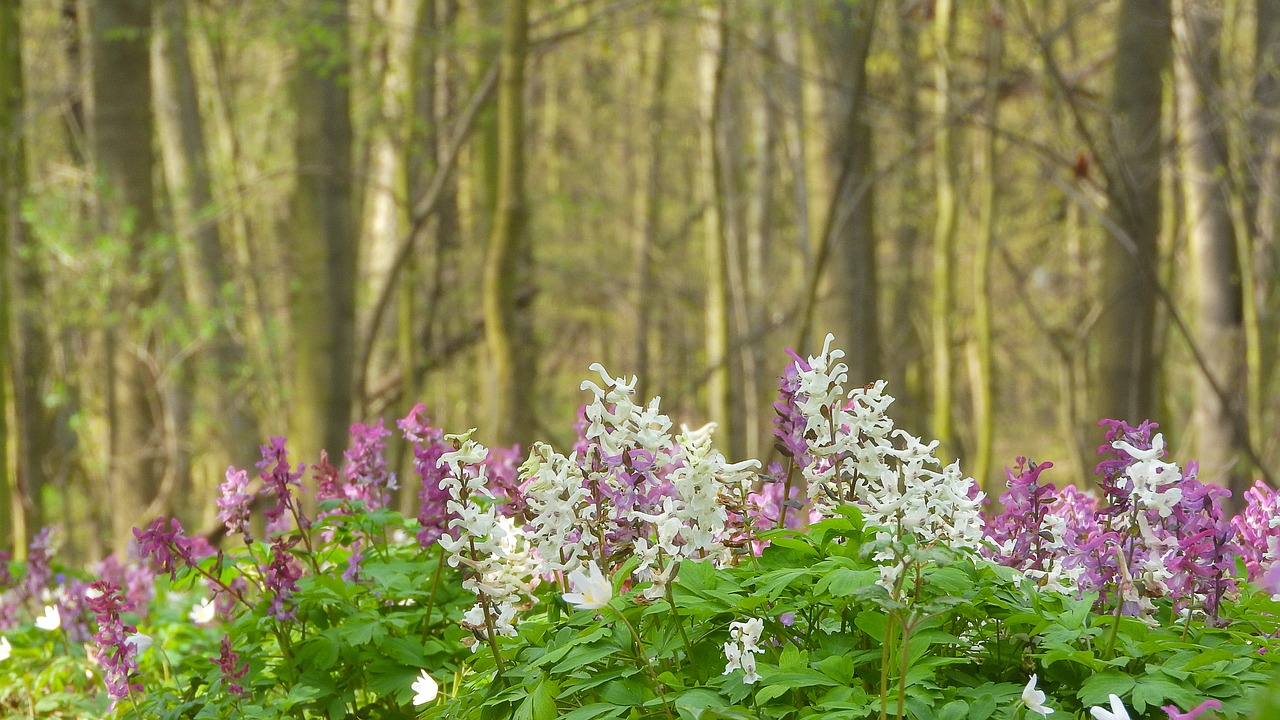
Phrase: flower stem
[675,615]
[644,655]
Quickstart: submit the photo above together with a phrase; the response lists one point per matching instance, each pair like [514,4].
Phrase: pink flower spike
[1193,713]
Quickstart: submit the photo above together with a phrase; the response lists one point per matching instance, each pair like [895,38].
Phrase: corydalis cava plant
[853,454]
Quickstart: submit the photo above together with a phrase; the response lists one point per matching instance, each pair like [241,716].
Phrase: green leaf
[843,582]
[320,652]
[954,710]
[1097,688]
[594,711]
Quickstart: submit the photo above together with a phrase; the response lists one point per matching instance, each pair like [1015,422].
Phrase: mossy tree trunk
[508,328]
[200,246]
[1219,414]
[322,298]
[122,134]
[1125,335]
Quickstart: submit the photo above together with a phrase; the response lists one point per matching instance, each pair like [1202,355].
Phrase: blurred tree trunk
[122,135]
[1262,184]
[982,374]
[649,199]
[324,240]
[437,106]
[1126,366]
[385,221]
[200,246]
[904,346]
[761,221]
[849,288]
[1220,428]
[712,64]
[13,531]
[508,328]
[946,168]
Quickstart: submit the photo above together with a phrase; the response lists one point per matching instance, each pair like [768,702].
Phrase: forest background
[230,219]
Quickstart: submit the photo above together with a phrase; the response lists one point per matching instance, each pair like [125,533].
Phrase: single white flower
[1117,711]
[5,648]
[426,688]
[203,612]
[591,590]
[1034,699]
[139,642]
[51,620]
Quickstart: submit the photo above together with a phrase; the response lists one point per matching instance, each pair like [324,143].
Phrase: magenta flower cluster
[117,657]
[233,670]
[1156,531]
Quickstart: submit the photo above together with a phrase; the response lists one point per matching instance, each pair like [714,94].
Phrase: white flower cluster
[558,500]
[1152,481]
[890,474]
[503,571]
[690,522]
[627,425]
[743,646]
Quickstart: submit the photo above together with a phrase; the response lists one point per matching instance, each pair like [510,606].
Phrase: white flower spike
[51,620]
[5,649]
[591,590]
[426,689]
[1117,711]
[1034,699]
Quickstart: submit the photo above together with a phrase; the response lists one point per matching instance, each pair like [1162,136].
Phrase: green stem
[435,583]
[675,615]
[644,655]
[902,668]
[884,667]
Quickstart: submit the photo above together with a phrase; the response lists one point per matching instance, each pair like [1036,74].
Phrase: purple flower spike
[116,655]
[428,446]
[228,661]
[233,505]
[164,545]
[282,574]
[279,480]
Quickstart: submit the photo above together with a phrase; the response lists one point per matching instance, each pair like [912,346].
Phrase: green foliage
[353,650]
[960,642]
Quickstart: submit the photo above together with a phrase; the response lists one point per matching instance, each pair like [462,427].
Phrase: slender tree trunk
[766,119]
[508,329]
[649,202]
[983,390]
[324,246]
[904,352]
[712,64]
[200,246]
[1125,335]
[386,183]
[1220,425]
[1263,189]
[849,288]
[944,233]
[122,135]
[13,529]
